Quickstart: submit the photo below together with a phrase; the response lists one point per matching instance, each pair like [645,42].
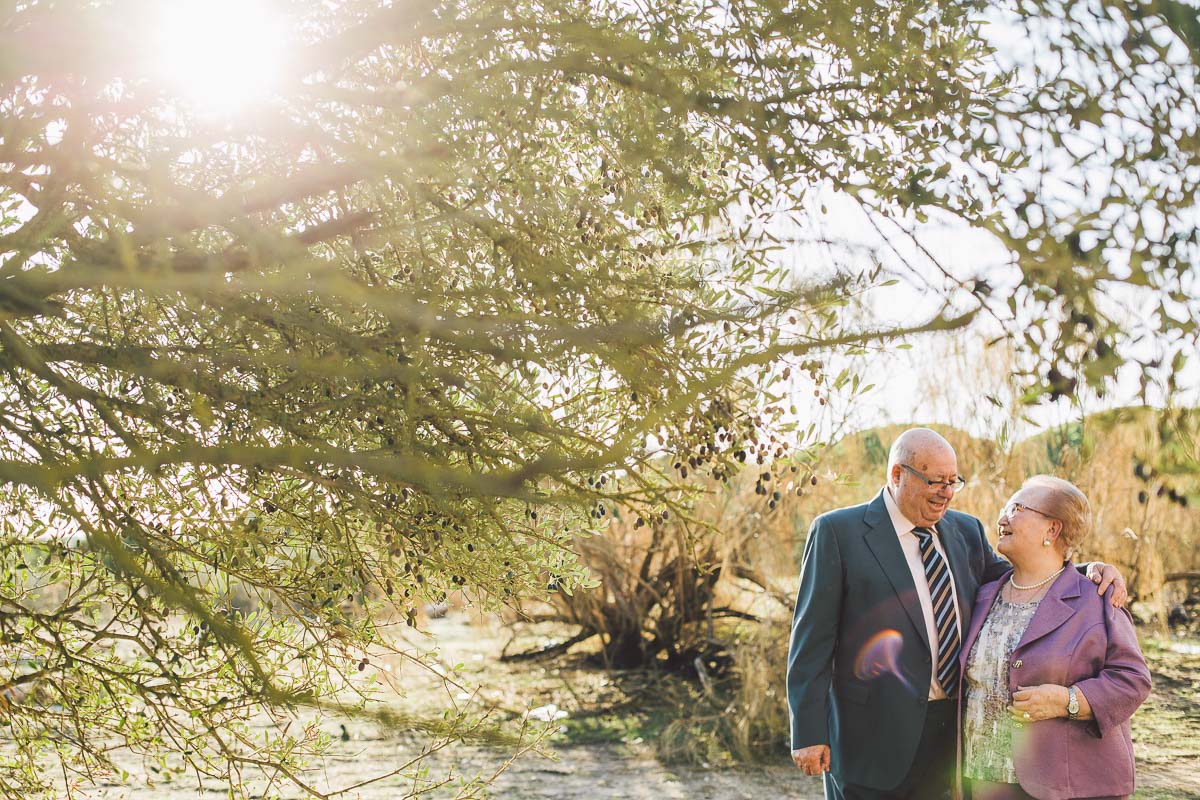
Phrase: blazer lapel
[983,604]
[884,543]
[1053,611]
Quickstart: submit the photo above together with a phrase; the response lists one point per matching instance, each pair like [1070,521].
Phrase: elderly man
[886,590]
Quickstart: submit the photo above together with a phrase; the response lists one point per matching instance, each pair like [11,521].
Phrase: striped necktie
[937,573]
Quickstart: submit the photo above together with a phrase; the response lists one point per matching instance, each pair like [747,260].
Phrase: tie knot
[923,533]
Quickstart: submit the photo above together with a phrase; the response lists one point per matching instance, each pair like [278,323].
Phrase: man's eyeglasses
[1014,508]
[955,485]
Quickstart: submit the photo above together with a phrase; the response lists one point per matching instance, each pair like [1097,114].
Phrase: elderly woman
[1052,671]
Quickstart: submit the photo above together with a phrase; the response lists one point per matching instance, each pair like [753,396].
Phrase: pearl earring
[1045,542]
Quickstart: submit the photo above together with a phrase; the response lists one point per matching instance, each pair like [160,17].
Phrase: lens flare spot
[880,656]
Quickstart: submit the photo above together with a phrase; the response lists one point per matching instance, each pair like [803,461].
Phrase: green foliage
[404,328]
[1066,439]
[1103,171]
[877,454]
[420,318]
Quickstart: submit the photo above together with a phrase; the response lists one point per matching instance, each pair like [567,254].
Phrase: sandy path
[593,772]
[621,771]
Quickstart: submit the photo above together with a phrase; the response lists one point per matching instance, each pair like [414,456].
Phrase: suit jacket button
[1016,664]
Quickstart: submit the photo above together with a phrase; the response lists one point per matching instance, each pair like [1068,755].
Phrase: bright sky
[943,378]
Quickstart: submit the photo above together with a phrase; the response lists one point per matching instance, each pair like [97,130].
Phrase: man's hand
[1107,575]
[812,760]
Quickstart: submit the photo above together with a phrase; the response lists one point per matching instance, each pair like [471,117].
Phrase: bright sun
[220,55]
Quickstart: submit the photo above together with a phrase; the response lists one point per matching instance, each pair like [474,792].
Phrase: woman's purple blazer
[1075,637]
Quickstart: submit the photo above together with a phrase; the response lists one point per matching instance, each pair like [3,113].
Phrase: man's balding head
[921,453]
[914,443]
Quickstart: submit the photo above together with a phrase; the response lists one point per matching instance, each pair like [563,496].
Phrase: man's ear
[894,475]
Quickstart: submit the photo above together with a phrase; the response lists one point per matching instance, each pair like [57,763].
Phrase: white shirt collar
[900,522]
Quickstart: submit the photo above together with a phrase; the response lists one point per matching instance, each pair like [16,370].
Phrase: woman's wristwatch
[1072,703]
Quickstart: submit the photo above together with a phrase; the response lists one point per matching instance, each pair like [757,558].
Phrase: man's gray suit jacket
[857,602]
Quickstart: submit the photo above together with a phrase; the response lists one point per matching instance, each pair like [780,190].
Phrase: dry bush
[742,717]
[655,600]
[665,585]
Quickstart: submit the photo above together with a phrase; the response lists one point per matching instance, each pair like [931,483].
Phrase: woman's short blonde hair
[1067,504]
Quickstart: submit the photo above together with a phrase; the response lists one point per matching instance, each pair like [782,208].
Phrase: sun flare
[220,55]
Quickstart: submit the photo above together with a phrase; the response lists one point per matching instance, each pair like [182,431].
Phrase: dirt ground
[615,760]
[590,772]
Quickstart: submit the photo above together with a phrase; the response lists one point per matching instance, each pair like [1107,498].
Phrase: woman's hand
[1033,703]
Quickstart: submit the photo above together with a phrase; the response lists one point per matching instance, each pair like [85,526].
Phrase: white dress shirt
[911,546]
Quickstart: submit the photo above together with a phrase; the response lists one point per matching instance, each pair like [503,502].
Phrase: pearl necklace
[1016,585]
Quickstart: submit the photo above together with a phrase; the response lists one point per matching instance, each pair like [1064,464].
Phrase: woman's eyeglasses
[1013,508]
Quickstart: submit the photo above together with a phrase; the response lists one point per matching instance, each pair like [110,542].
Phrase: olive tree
[446,298]
[1097,203]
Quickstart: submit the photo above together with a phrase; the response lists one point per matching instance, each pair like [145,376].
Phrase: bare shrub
[664,584]
[654,596]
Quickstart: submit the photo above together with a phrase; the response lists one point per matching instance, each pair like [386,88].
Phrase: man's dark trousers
[932,773]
